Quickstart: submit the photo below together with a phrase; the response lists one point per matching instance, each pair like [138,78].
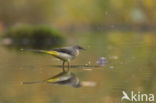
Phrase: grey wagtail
[66,54]
[66,78]
[60,78]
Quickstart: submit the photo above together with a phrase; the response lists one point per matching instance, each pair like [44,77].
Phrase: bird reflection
[75,66]
[67,79]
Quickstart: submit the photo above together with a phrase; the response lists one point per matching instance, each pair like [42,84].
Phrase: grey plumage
[69,50]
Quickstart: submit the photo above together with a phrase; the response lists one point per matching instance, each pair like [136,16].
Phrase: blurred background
[122,31]
[105,14]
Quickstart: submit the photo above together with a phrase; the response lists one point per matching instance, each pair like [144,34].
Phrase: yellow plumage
[52,80]
[54,53]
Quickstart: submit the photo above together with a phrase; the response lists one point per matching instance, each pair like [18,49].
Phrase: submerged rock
[102,61]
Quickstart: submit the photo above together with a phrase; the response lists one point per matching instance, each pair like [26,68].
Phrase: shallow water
[131,66]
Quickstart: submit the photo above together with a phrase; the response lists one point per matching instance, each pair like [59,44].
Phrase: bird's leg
[68,66]
[63,66]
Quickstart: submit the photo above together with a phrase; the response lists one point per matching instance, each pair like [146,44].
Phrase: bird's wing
[65,50]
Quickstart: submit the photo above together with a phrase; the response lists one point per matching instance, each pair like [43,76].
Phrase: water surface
[131,65]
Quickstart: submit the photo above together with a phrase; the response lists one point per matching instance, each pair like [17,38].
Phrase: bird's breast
[65,57]
[77,52]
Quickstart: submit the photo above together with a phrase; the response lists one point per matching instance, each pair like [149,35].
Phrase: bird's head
[78,47]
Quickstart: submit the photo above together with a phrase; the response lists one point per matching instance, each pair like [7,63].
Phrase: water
[130,66]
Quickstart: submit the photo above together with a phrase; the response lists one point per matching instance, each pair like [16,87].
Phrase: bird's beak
[83,49]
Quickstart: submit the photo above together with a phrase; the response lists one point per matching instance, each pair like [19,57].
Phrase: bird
[66,54]
[66,78]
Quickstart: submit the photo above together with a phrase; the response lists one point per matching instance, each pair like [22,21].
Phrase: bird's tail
[51,52]
[51,80]
[34,82]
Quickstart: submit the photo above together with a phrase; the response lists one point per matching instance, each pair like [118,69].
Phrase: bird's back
[67,50]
